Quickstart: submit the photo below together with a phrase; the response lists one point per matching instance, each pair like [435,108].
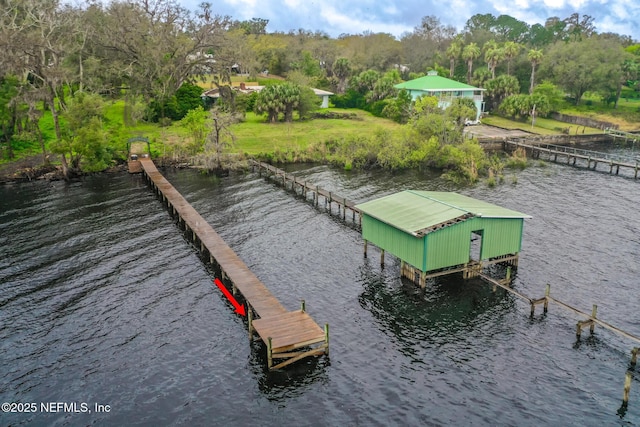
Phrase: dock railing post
[303,306]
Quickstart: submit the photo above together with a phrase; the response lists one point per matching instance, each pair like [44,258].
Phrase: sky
[396,17]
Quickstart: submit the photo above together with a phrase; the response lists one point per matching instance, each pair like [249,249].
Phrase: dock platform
[288,335]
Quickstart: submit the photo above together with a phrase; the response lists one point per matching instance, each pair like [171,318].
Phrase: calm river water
[103,301]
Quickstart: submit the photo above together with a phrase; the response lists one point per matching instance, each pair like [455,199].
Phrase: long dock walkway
[295,184]
[572,155]
[288,335]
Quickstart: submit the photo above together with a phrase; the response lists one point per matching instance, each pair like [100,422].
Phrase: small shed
[436,233]
[324,96]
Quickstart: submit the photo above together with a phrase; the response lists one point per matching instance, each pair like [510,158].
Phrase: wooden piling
[547,291]
[326,338]
[382,257]
[365,248]
[303,307]
[627,388]
[579,329]
[634,356]
[250,319]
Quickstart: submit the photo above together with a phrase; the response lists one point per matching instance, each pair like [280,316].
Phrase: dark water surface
[102,300]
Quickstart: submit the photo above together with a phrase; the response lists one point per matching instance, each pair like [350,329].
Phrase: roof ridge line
[441,202]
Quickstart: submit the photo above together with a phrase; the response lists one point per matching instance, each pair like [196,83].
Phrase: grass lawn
[255,136]
[626,115]
[542,127]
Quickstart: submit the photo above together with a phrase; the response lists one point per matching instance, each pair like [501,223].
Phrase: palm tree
[493,56]
[342,71]
[534,56]
[453,52]
[289,95]
[469,54]
[511,50]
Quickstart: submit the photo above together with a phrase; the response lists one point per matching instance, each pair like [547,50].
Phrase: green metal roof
[421,212]
[434,83]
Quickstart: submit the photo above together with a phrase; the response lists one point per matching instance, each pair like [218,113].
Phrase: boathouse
[437,233]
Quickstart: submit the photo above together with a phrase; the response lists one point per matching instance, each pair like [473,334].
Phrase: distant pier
[289,335]
[571,156]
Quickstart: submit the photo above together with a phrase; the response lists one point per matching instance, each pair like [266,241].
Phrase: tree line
[151,53]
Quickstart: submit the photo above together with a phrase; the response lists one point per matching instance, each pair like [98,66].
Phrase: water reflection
[448,309]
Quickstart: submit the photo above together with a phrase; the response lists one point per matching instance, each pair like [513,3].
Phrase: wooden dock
[288,335]
[570,156]
[304,189]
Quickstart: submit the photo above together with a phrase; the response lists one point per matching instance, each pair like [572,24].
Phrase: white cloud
[578,4]
[554,4]
[355,23]
[396,17]
[242,4]
[294,3]
[390,9]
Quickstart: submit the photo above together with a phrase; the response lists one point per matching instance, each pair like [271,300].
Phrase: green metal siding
[392,223]
[501,236]
[448,246]
[404,246]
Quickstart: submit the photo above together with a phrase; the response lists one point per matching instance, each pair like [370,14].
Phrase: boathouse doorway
[475,247]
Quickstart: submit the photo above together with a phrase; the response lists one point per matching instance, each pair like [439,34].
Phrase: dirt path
[484,131]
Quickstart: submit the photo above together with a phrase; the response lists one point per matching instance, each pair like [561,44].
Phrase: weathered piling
[627,388]
[591,322]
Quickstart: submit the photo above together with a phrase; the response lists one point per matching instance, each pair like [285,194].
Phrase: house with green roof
[446,90]
[436,233]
